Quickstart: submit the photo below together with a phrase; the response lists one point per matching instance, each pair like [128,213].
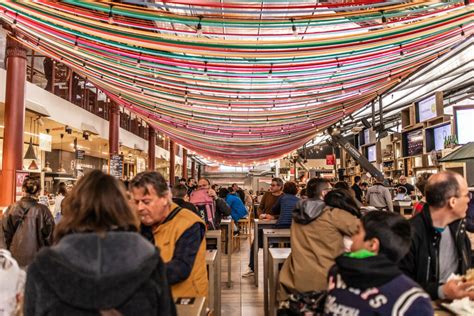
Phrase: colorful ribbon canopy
[241,81]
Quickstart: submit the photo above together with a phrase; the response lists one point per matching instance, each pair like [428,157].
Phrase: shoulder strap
[22,217]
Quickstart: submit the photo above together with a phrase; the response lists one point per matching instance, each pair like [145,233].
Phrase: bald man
[439,245]
[408,188]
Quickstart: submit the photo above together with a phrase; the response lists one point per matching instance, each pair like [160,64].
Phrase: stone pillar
[114,126]
[193,168]
[151,148]
[185,163]
[14,119]
[172,161]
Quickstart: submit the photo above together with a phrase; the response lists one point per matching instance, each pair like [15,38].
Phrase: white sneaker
[249,273]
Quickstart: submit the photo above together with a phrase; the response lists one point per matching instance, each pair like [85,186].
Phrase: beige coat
[314,247]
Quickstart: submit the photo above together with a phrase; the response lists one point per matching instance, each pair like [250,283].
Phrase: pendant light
[30,152]
[61,168]
[47,166]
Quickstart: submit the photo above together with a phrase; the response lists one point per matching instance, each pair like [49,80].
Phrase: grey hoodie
[86,273]
[308,210]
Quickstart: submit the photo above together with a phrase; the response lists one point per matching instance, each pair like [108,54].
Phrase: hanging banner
[45,142]
[330,160]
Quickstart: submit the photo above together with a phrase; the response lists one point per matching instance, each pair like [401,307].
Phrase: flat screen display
[371,153]
[414,142]
[464,118]
[366,136]
[440,134]
[426,108]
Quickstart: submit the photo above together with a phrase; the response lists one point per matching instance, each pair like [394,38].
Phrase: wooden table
[276,257]
[271,236]
[228,224]
[438,310]
[214,293]
[256,224]
[197,308]
[214,237]
[402,207]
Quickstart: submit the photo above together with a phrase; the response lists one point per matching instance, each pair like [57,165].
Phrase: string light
[293,27]
[199,27]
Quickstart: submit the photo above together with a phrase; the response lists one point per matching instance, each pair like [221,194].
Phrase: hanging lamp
[61,168]
[30,152]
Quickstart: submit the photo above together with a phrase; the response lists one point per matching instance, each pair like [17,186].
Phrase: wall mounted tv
[372,153]
[426,109]
[463,122]
[436,136]
[367,136]
[413,143]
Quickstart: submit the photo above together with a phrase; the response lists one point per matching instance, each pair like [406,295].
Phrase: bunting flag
[241,81]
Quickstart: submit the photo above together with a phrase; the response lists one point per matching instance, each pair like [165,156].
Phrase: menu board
[464,117]
[20,178]
[440,135]
[372,153]
[426,108]
[116,166]
[415,142]
[80,154]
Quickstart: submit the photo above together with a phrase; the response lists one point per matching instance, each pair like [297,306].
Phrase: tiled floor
[243,298]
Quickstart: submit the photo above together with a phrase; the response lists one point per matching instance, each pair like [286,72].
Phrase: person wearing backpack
[27,225]
[211,207]
[100,265]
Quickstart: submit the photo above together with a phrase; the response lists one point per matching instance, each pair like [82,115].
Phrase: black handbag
[303,304]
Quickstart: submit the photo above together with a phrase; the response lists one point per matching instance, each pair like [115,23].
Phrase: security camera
[68,130]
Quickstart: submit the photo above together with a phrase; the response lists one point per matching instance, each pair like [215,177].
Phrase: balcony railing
[62,81]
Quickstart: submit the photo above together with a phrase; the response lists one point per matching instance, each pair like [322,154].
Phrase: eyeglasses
[468,195]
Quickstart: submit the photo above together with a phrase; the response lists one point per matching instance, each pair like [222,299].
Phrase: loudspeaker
[366,123]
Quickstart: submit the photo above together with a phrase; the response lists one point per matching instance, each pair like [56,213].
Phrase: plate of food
[462,306]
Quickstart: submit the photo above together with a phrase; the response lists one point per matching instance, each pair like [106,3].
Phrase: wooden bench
[259,224]
[271,236]
[191,306]
[276,258]
[228,226]
[214,292]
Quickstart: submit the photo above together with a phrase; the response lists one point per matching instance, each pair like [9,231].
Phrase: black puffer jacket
[27,226]
[421,263]
[87,273]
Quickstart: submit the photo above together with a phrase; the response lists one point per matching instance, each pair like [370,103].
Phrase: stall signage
[45,142]
[116,166]
[80,154]
[141,164]
[330,160]
[20,178]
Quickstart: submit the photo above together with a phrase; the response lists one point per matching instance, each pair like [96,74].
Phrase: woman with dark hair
[344,185]
[28,225]
[316,241]
[420,184]
[100,263]
[285,205]
[342,199]
[62,192]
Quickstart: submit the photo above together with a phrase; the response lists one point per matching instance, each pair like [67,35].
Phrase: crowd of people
[132,249]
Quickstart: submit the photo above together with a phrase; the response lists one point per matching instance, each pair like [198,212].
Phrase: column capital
[14,48]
